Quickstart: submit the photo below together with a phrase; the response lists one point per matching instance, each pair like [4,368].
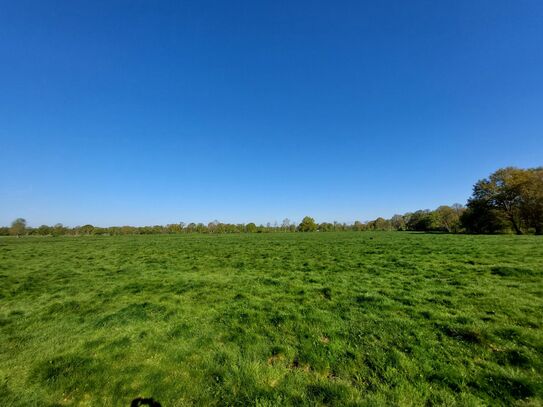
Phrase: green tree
[447,218]
[515,193]
[86,230]
[421,220]
[381,224]
[325,227]
[307,225]
[59,230]
[480,217]
[398,222]
[359,226]
[501,191]
[250,228]
[18,227]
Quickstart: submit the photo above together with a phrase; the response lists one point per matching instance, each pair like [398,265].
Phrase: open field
[272,319]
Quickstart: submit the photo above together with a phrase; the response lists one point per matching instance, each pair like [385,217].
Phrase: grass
[272,320]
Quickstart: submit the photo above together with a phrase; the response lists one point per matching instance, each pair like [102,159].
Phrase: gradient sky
[143,112]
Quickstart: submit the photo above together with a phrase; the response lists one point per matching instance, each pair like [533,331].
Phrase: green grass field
[272,320]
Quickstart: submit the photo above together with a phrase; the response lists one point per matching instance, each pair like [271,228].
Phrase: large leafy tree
[251,227]
[398,222]
[380,224]
[448,217]
[421,220]
[307,225]
[18,227]
[514,194]
[480,217]
[501,191]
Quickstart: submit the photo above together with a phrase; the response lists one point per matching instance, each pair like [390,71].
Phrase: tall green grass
[272,320]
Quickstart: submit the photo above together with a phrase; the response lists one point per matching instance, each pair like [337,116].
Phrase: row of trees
[438,220]
[19,228]
[443,219]
[509,200]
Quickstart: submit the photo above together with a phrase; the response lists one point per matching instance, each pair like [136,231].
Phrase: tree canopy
[18,227]
[307,225]
[509,198]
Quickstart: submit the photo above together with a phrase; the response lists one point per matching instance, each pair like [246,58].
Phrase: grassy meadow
[272,320]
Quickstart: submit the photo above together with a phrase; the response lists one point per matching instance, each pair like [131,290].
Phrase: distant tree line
[509,201]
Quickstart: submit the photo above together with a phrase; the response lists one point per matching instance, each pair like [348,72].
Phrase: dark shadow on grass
[140,401]
[507,271]
[463,334]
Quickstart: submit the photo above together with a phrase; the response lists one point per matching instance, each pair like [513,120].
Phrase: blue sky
[141,112]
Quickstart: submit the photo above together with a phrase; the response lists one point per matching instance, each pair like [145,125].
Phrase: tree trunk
[515,226]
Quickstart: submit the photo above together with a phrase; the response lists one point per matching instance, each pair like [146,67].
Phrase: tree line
[510,200]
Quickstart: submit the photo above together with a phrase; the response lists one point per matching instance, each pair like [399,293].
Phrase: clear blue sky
[143,112]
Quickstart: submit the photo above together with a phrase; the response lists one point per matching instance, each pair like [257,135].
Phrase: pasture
[275,319]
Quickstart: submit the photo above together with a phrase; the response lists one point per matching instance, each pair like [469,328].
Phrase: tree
[531,191]
[421,221]
[307,225]
[173,228]
[18,227]
[250,228]
[325,227]
[285,225]
[213,227]
[447,218]
[458,208]
[86,229]
[43,230]
[379,224]
[358,226]
[480,217]
[398,222]
[517,194]
[501,191]
[59,230]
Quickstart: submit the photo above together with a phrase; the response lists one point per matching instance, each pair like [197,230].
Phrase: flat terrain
[272,319]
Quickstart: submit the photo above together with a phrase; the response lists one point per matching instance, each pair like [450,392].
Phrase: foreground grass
[278,319]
